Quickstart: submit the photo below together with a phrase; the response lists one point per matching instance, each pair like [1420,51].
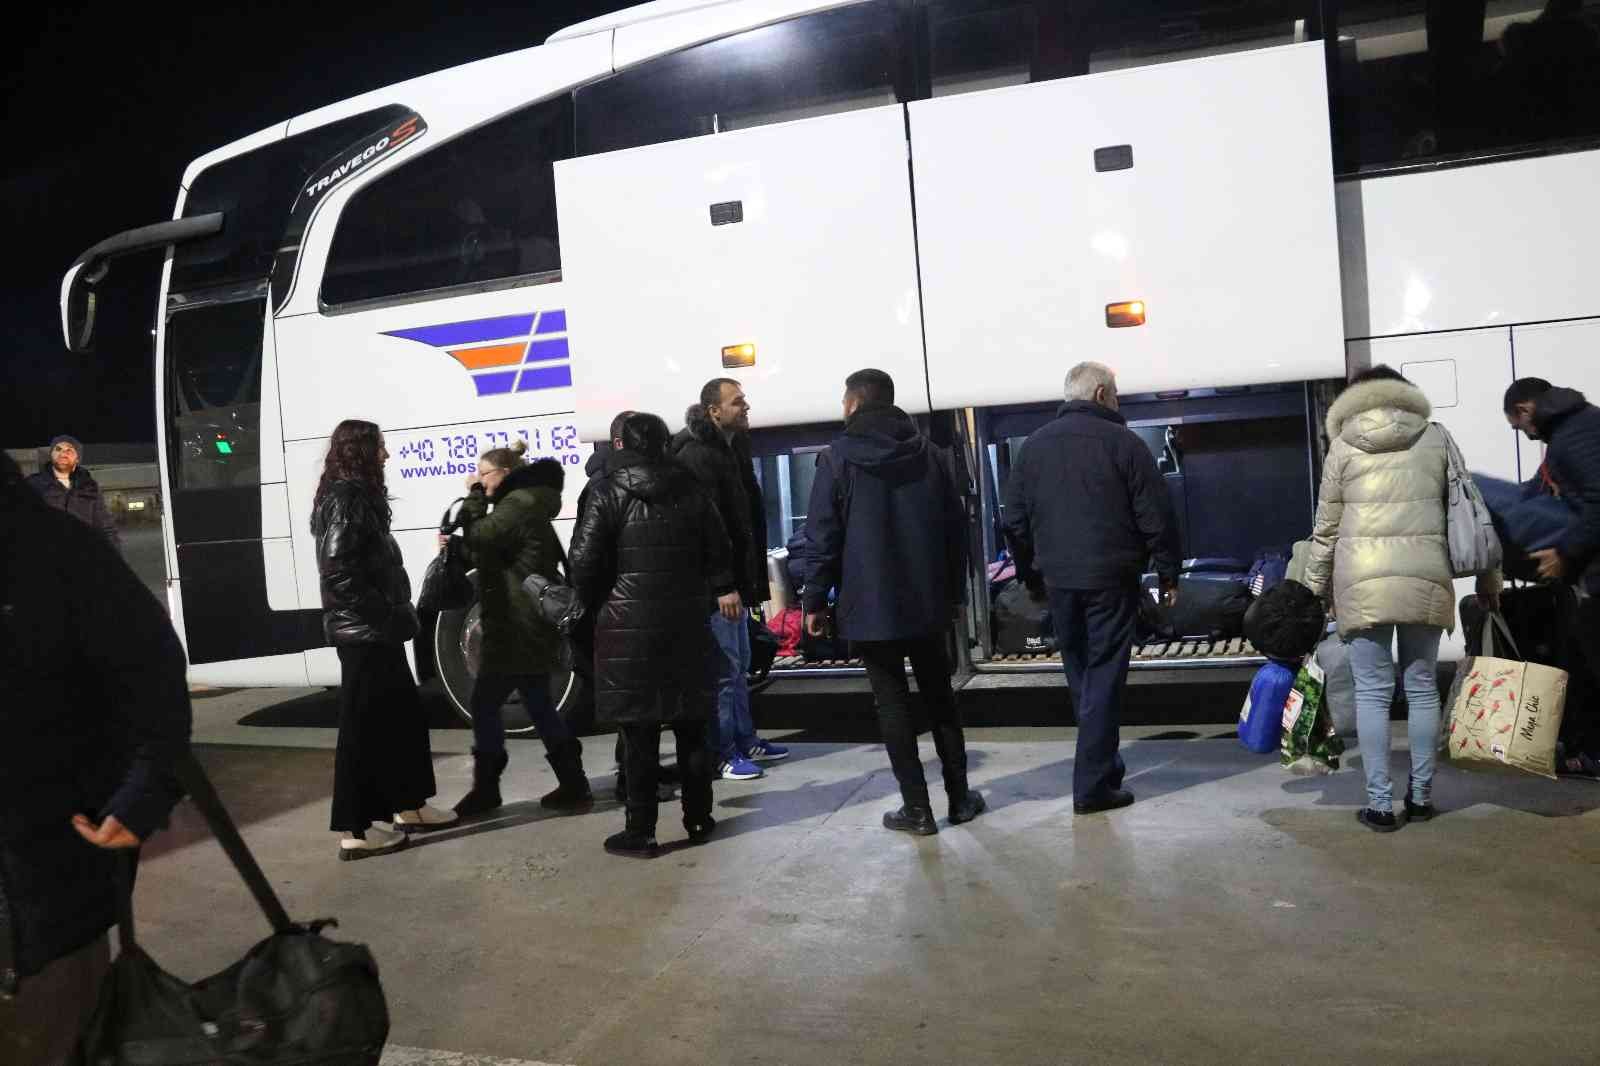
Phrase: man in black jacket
[715,446]
[1570,428]
[1085,510]
[887,528]
[94,713]
[67,486]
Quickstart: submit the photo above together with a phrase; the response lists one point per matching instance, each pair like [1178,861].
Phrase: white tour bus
[1231,203]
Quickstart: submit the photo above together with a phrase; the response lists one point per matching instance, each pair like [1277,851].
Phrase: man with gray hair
[1086,510]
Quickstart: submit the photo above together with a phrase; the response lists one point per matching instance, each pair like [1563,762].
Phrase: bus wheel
[458,648]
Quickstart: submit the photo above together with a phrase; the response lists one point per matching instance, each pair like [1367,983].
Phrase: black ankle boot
[699,828]
[573,791]
[966,807]
[637,841]
[908,819]
[485,794]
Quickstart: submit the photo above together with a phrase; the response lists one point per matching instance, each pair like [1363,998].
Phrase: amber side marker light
[1125,314]
[737,355]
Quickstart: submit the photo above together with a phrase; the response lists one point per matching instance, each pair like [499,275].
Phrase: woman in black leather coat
[383,770]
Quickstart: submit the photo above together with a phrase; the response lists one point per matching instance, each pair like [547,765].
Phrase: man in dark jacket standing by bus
[67,486]
[1085,510]
[1569,426]
[94,714]
[715,446]
[887,528]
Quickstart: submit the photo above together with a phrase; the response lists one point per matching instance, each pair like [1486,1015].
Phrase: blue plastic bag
[1261,718]
[1527,523]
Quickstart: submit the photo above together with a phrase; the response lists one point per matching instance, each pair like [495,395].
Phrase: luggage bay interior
[1241,466]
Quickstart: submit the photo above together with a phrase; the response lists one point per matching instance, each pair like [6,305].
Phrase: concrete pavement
[1234,914]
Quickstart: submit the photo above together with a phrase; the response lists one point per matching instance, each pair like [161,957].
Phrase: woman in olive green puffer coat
[1380,544]
[520,649]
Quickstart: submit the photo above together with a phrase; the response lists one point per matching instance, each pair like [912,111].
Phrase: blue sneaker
[739,769]
[766,751]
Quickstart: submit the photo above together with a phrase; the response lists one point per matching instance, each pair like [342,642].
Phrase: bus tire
[457,647]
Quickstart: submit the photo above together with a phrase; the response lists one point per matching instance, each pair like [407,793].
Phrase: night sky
[105,107]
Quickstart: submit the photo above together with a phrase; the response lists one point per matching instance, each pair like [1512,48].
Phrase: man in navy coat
[887,529]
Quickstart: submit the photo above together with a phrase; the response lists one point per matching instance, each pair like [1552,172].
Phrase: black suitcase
[1539,617]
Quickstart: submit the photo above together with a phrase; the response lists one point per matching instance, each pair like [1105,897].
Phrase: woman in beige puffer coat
[1380,543]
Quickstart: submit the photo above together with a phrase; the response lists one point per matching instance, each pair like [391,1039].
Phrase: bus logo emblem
[510,353]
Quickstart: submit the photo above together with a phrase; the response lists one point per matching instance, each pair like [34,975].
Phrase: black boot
[908,819]
[951,743]
[572,793]
[637,841]
[485,794]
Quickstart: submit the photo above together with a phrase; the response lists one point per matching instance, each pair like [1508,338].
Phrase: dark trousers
[885,662]
[41,1026]
[641,751]
[383,764]
[1095,630]
[1580,724]
[489,694]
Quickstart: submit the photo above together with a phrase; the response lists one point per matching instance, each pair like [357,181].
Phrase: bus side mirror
[78,302]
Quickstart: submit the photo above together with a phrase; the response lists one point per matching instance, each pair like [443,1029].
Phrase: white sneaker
[424,818]
[374,841]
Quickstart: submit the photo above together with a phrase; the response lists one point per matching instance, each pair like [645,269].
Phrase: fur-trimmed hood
[1379,416]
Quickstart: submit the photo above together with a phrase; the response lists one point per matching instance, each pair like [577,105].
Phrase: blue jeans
[489,694]
[1374,666]
[733,732]
[1095,630]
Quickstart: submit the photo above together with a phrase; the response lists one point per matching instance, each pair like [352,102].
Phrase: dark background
[105,107]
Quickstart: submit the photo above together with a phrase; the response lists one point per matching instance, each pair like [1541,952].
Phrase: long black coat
[886,526]
[648,553]
[728,477]
[1086,506]
[1571,427]
[83,500]
[94,711]
[366,595]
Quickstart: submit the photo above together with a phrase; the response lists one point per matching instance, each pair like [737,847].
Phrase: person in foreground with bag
[649,557]
[520,648]
[94,714]
[383,767]
[1569,425]
[1380,551]
[887,527]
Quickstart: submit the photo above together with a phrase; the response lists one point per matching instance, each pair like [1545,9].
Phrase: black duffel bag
[1022,624]
[1286,622]
[1211,606]
[445,584]
[296,997]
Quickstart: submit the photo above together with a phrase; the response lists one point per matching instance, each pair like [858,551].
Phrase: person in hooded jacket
[1569,426]
[715,446]
[649,554]
[520,648]
[1379,546]
[94,716]
[68,486]
[383,765]
[886,526]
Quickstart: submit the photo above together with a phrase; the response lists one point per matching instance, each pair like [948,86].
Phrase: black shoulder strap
[198,785]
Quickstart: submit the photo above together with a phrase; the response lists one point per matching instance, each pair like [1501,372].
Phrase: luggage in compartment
[1021,623]
[1211,604]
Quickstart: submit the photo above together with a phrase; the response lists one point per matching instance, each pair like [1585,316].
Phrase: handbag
[1469,525]
[557,601]
[296,997]
[763,648]
[445,584]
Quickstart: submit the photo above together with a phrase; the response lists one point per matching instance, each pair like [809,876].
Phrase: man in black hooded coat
[887,527]
[68,486]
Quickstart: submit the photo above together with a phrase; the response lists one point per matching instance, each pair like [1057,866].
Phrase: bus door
[742,208]
[1174,221]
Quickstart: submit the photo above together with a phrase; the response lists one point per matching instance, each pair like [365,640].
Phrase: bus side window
[832,61]
[214,394]
[1418,81]
[985,44]
[478,208]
